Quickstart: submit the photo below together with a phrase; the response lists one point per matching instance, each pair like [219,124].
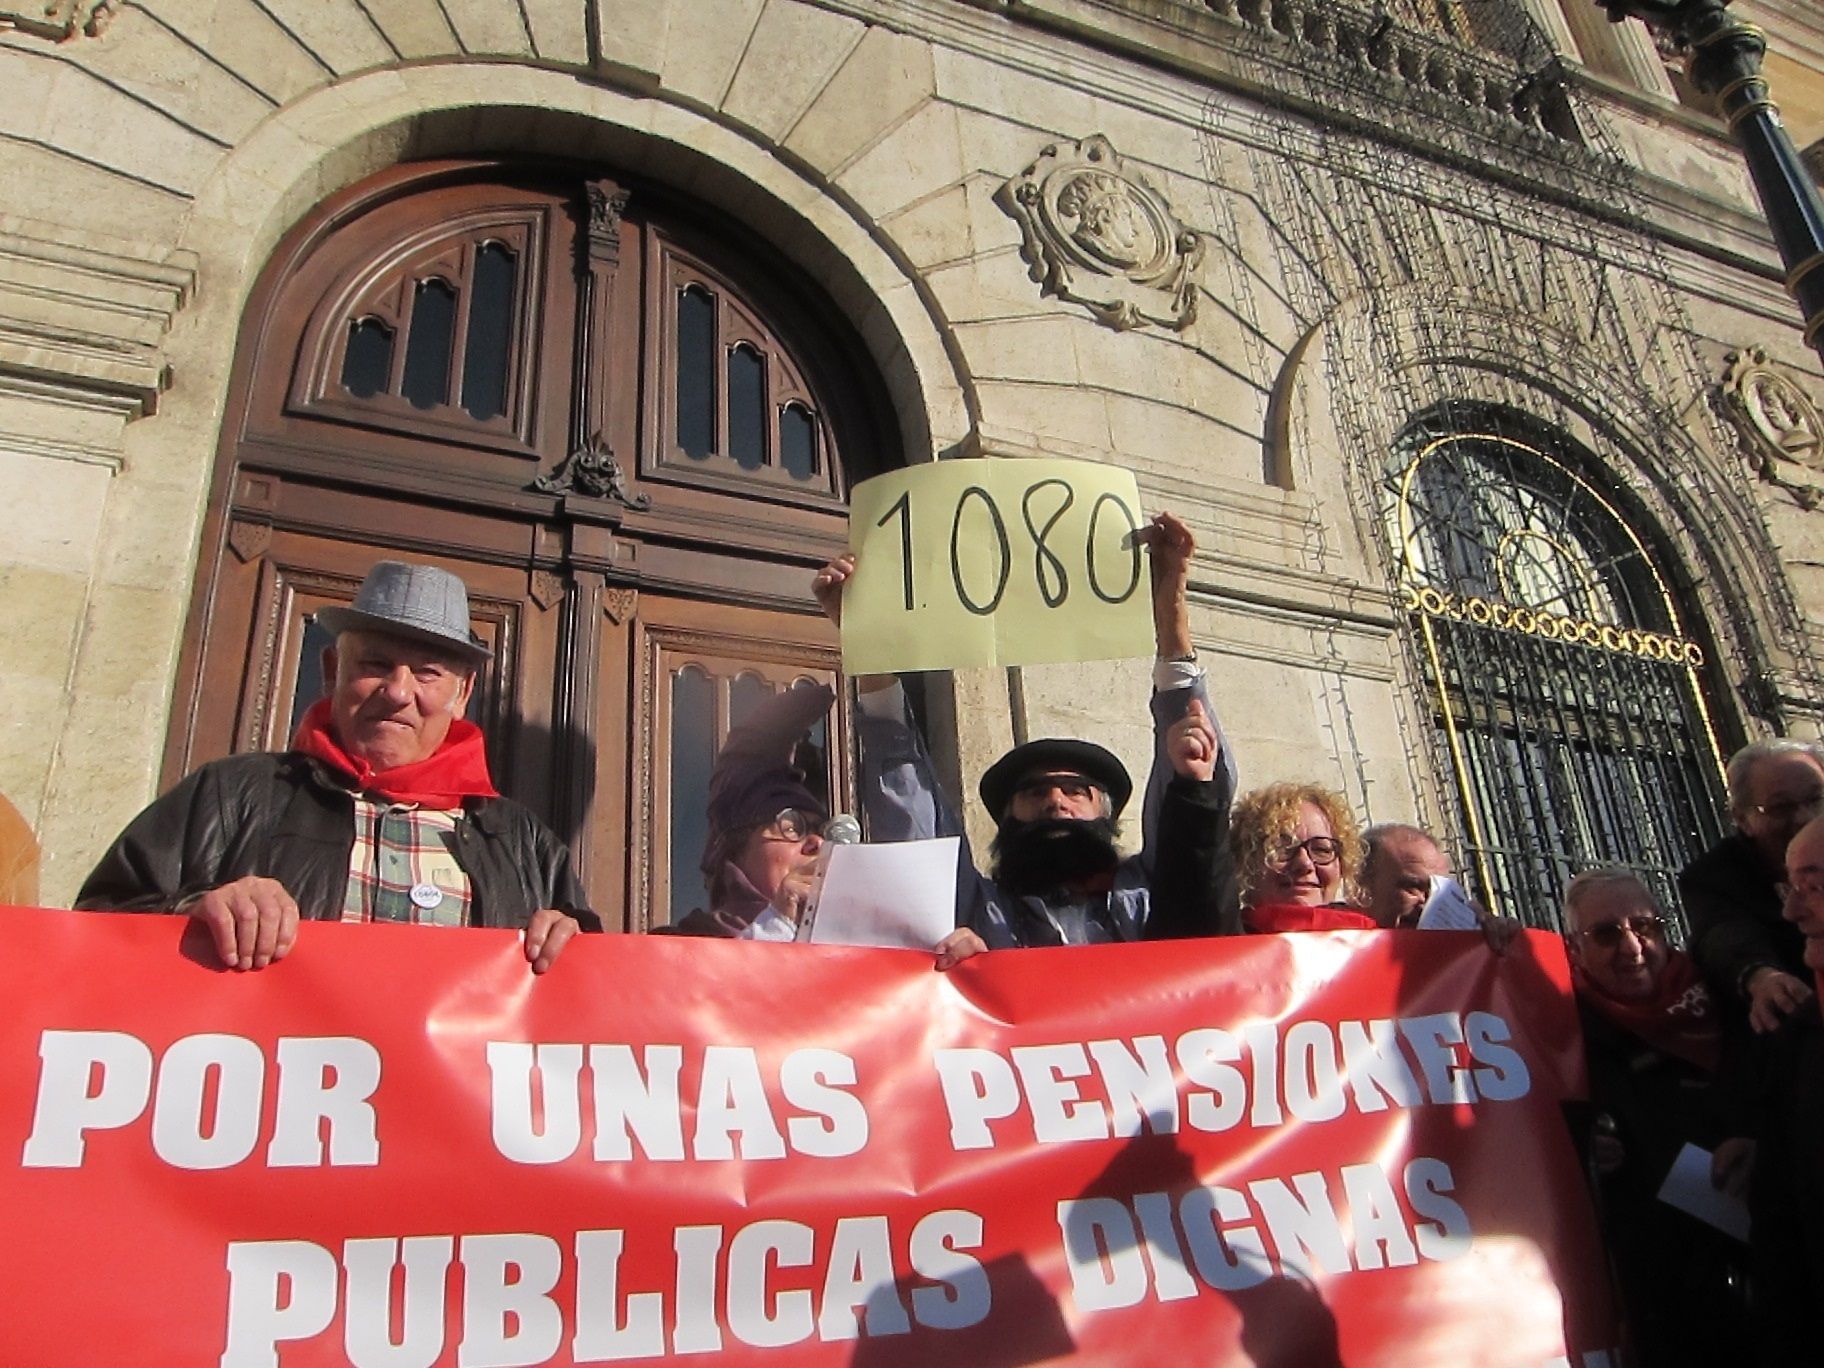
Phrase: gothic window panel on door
[736,409]
[423,324]
[701,673]
[434,335]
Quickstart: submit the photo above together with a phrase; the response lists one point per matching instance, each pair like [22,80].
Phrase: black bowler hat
[1050,756]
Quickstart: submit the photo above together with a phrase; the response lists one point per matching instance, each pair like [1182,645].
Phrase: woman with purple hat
[767,829]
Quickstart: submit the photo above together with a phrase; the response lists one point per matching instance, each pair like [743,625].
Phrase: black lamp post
[1726,62]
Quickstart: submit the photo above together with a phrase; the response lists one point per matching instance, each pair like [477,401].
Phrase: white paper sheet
[1687,1187]
[1448,908]
[900,894]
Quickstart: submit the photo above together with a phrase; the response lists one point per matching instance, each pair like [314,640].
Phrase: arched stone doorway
[630,426]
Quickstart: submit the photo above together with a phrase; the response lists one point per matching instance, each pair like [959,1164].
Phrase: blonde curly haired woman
[1297,850]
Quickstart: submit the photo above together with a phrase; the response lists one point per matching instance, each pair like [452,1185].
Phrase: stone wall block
[340,34]
[918,158]
[1046,109]
[1218,433]
[1146,363]
[489,28]
[168,72]
[416,28]
[630,38]
[40,616]
[704,43]
[1033,349]
[1057,420]
[935,231]
[93,198]
[91,121]
[113,729]
[991,285]
[560,30]
[244,38]
[53,509]
[881,81]
[789,59]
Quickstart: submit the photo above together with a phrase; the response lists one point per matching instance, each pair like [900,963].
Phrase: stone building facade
[1454,331]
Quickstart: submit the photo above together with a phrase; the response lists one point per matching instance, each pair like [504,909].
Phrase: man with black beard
[1057,876]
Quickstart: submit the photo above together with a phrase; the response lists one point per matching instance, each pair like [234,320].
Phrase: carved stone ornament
[592,471]
[59,19]
[1095,233]
[1779,424]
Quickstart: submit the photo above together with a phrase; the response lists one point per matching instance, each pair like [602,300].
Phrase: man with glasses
[1056,875]
[1750,955]
[1653,1044]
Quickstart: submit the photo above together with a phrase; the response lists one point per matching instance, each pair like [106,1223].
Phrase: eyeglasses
[1808,886]
[1608,934]
[1788,807]
[791,824]
[1073,786]
[1322,851]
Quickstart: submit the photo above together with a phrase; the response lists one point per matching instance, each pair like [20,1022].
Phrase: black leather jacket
[281,816]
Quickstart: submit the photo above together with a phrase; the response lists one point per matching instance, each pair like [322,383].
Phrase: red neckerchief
[1272,917]
[458,769]
[1679,1018]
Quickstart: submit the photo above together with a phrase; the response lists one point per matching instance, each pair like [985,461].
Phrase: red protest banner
[398,1147]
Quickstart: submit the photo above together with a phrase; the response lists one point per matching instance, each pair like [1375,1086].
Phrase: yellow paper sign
[995,562]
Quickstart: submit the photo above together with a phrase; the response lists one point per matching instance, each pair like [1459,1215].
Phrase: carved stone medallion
[1096,233]
[1779,424]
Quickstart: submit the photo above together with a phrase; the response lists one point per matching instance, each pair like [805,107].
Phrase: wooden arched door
[623,422]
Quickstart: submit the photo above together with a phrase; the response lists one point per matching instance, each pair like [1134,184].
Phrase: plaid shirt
[403,866]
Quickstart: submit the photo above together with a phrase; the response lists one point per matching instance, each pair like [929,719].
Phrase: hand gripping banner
[397,1147]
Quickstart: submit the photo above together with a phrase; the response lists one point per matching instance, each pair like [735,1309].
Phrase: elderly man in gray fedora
[382,810]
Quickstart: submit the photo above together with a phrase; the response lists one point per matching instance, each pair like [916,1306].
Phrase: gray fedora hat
[421,602]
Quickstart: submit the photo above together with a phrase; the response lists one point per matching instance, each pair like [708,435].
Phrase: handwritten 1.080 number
[1042,506]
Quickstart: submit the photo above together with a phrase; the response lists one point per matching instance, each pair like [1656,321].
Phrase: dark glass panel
[798,442]
[427,350]
[310,672]
[369,358]
[747,692]
[696,372]
[693,750]
[747,408]
[484,364]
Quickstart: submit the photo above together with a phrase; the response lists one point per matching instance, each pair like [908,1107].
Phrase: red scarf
[1271,917]
[1679,1019]
[458,768]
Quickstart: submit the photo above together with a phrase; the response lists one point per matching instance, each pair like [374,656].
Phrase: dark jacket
[281,816]
[1786,1204]
[1181,884]
[1681,1281]
[1735,918]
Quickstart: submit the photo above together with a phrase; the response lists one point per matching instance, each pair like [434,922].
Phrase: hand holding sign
[985,562]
